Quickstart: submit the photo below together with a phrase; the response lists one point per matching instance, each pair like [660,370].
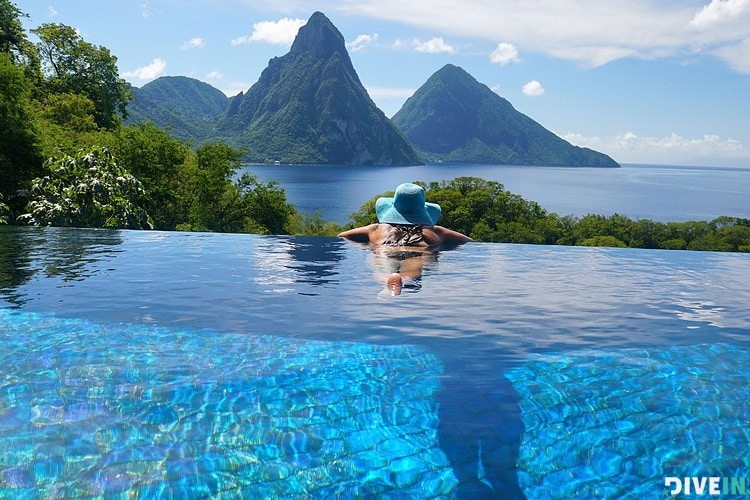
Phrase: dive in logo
[706,485]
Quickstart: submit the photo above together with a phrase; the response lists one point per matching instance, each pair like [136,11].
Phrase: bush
[3,211]
[603,241]
[86,190]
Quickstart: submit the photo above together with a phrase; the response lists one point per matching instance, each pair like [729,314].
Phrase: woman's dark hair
[403,234]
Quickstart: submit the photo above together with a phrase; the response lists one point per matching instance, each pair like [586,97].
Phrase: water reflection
[315,259]
[14,265]
[409,265]
[63,254]
[286,261]
[406,265]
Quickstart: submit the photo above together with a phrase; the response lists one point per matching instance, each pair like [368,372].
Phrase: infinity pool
[173,364]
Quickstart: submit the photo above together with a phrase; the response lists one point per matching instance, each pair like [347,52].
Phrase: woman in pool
[406,224]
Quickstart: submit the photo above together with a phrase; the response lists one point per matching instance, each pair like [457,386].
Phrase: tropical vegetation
[68,158]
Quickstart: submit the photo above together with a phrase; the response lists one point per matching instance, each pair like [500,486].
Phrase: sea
[662,193]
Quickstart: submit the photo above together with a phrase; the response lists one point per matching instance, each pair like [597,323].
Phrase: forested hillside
[310,107]
[454,118]
[186,107]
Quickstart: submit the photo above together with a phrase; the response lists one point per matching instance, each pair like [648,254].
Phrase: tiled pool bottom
[614,423]
[89,409]
[94,410]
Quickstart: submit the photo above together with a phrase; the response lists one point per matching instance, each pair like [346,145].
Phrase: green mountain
[186,107]
[454,118]
[310,107]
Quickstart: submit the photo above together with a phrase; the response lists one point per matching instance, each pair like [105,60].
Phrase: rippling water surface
[224,364]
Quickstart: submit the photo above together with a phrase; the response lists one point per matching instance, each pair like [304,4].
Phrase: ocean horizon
[664,193]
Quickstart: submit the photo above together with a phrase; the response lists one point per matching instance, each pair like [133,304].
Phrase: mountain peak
[453,117]
[309,106]
[319,36]
[451,69]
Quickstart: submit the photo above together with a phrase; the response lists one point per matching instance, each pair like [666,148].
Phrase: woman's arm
[359,234]
[450,236]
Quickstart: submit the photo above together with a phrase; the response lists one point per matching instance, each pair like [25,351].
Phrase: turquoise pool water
[237,366]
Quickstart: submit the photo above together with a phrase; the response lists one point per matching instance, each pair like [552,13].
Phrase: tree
[86,190]
[20,156]
[74,66]
[12,35]
[268,211]
[246,205]
[13,40]
[158,161]
[486,211]
[312,225]
[602,241]
[75,112]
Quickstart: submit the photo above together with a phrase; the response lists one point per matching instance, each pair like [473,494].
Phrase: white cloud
[533,89]
[149,72]
[590,32]
[629,147]
[281,32]
[194,43]
[241,40]
[434,46]
[505,53]
[215,75]
[719,12]
[737,56]
[362,42]
[52,11]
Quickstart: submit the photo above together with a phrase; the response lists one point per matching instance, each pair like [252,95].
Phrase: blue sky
[645,81]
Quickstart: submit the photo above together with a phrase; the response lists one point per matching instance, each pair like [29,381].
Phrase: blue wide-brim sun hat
[407,206]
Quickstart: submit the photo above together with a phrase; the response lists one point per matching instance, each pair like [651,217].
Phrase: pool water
[172,364]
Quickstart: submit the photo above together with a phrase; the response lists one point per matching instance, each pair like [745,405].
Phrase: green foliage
[12,35]
[724,234]
[313,225]
[267,209]
[20,155]
[88,190]
[75,112]
[214,203]
[159,162]
[603,241]
[486,211]
[15,44]
[187,108]
[4,210]
[366,213]
[74,66]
